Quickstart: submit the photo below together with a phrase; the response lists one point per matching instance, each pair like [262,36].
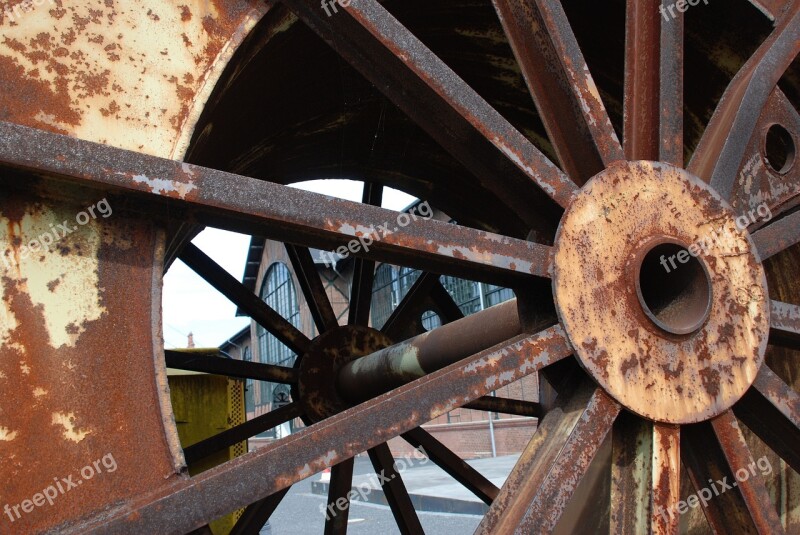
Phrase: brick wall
[472,440]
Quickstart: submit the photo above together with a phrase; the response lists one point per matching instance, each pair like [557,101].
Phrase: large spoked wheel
[658,299]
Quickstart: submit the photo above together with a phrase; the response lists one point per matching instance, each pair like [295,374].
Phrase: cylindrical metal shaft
[401,363]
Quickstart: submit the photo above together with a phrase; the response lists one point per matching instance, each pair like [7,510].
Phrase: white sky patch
[191,305]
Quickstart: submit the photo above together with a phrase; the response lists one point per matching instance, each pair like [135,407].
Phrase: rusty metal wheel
[664,328]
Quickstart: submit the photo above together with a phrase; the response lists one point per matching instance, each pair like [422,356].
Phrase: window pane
[384,295]
[278,292]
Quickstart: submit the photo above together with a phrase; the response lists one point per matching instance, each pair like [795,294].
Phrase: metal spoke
[364,270]
[713,452]
[653,83]
[753,490]
[666,480]
[554,462]
[245,299]
[516,407]
[285,462]
[243,204]
[392,58]
[395,490]
[338,510]
[242,432]
[778,236]
[565,94]
[771,409]
[310,283]
[257,514]
[631,471]
[211,362]
[785,325]
[722,149]
[454,465]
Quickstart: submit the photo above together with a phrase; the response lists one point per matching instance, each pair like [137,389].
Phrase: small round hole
[674,289]
[430,320]
[779,149]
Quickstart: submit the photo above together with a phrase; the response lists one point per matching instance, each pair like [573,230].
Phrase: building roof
[236,338]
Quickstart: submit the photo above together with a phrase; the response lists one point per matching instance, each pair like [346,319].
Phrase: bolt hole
[779,148]
[674,289]
[430,320]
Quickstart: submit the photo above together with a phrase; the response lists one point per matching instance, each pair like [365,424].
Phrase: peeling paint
[71,433]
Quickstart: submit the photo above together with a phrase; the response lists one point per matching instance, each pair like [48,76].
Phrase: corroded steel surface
[183,506]
[401,363]
[237,202]
[79,328]
[673,378]
[318,367]
[126,73]
[85,384]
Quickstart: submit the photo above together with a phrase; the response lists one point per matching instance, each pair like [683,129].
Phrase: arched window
[406,280]
[465,293]
[279,293]
[384,295]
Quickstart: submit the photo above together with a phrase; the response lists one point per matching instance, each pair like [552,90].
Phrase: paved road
[300,514]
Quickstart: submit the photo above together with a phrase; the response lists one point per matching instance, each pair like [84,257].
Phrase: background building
[269,273]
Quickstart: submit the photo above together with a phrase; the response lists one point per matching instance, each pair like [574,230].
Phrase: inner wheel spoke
[392,58]
[778,236]
[552,465]
[364,270]
[257,514]
[558,78]
[241,432]
[317,299]
[654,82]
[507,406]
[722,149]
[785,325]
[294,458]
[238,203]
[198,361]
[454,465]
[336,514]
[395,490]
[771,409]
[245,299]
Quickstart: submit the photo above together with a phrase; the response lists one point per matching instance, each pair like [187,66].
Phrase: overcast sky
[192,305]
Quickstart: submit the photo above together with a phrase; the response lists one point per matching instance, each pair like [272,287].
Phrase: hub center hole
[674,288]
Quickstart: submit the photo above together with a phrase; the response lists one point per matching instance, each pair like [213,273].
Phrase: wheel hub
[319,366]
[663,297]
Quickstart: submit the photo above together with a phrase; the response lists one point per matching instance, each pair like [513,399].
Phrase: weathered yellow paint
[71,432]
[133,74]
[66,287]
